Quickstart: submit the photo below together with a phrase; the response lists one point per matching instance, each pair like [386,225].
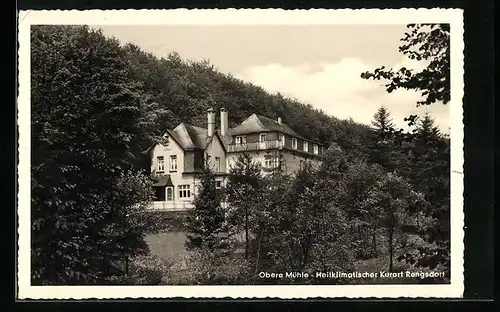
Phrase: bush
[163,221]
[211,268]
[144,270]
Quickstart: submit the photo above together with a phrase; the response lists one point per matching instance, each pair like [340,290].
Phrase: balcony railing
[171,205]
[255,146]
[176,205]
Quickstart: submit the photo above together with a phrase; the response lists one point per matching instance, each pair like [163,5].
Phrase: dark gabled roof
[258,123]
[164,181]
[221,140]
[190,137]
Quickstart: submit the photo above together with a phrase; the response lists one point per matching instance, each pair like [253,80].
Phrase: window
[268,163]
[241,139]
[173,163]
[217,164]
[271,162]
[294,143]
[209,159]
[306,148]
[262,137]
[315,148]
[170,193]
[184,191]
[281,139]
[161,163]
[218,184]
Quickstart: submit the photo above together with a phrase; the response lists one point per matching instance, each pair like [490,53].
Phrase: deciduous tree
[396,206]
[86,115]
[423,42]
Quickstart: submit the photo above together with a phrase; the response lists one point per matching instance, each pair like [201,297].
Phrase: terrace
[255,146]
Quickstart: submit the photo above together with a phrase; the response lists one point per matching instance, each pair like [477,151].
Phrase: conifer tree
[242,190]
[381,141]
[427,137]
[429,173]
[382,120]
[205,222]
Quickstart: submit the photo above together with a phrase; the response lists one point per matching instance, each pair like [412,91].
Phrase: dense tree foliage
[425,152]
[422,42]
[428,168]
[205,222]
[395,208]
[244,182]
[87,118]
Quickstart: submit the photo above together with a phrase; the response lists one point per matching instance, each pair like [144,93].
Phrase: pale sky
[316,64]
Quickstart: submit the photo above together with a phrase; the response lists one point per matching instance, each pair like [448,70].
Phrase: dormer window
[316,149]
[306,147]
[294,143]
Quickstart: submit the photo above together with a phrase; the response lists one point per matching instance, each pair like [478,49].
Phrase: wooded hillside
[186,89]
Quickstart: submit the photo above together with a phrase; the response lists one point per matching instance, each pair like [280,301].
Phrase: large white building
[187,148]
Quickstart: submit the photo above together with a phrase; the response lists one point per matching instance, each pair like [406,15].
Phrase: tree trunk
[390,243]
[246,233]
[258,254]
[126,265]
[374,243]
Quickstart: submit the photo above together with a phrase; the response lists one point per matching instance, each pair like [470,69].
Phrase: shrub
[144,270]
[163,221]
[211,268]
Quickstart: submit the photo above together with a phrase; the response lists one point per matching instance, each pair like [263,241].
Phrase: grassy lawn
[167,245]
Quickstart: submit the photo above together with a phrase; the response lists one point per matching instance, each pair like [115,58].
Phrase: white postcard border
[242,17]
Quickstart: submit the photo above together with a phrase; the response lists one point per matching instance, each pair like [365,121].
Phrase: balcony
[171,205]
[176,205]
[255,146]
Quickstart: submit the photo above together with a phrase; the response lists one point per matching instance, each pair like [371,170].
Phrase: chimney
[211,121]
[279,120]
[223,121]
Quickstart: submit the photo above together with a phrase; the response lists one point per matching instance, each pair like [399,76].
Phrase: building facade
[186,148]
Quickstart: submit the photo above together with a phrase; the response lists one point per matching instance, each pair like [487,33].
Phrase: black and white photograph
[321,153]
